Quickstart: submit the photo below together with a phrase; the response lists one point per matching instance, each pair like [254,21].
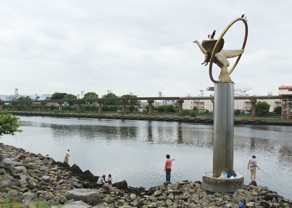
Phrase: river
[135,150]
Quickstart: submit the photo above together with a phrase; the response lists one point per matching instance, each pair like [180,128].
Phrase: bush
[237,112]
[192,113]
[278,110]
[262,108]
[8,123]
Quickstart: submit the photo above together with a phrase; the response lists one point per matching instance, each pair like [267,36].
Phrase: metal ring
[216,45]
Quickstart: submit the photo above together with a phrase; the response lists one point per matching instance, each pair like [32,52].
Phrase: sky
[139,46]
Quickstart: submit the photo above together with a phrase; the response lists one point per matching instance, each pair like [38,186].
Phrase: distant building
[8,97]
[33,97]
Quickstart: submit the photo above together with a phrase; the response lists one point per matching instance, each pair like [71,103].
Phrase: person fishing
[252,166]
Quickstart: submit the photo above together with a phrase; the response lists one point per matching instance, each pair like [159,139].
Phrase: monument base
[222,185]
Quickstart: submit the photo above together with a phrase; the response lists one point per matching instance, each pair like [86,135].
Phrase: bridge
[124,102]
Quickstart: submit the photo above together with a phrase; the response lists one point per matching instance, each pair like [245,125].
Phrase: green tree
[22,98]
[9,124]
[278,110]
[20,103]
[237,112]
[58,95]
[170,108]
[132,99]
[110,102]
[262,108]
[70,97]
[90,95]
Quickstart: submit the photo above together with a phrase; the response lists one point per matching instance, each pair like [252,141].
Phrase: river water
[135,150]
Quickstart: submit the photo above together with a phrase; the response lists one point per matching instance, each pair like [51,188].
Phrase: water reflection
[149,132]
[178,134]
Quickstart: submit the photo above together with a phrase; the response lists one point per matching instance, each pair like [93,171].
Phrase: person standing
[67,156]
[252,166]
[167,167]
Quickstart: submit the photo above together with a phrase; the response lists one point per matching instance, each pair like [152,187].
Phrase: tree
[110,102]
[262,108]
[170,108]
[237,112]
[58,95]
[70,97]
[278,110]
[9,124]
[90,95]
[22,98]
[63,95]
[133,99]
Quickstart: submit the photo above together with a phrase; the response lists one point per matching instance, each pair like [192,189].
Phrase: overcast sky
[139,46]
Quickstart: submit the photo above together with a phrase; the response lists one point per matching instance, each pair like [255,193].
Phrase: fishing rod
[263,171]
[278,184]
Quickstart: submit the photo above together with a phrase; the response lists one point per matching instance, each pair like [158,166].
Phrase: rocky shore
[27,179]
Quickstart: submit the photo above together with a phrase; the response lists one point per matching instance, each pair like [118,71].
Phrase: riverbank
[237,121]
[28,178]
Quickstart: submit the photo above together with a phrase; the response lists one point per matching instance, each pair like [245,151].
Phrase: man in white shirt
[252,166]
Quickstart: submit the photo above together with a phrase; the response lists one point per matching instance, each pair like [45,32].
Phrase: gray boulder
[76,204]
[89,196]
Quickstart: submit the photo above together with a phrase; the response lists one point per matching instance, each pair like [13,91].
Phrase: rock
[75,168]
[20,169]
[121,185]
[60,199]
[89,196]
[45,178]
[264,204]
[120,202]
[253,183]
[35,178]
[76,204]
[30,165]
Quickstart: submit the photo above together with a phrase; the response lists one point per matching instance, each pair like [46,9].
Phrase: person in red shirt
[167,168]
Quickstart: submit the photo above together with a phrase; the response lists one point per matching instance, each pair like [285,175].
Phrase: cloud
[137,46]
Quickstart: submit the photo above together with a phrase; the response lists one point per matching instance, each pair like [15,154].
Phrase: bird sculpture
[220,56]
[207,47]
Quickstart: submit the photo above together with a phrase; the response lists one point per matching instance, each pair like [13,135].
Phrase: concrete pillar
[124,103]
[150,106]
[43,106]
[60,105]
[253,107]
[223,141]
[180,108]
[13,105]
[99,106]
[27,105]
[78,107]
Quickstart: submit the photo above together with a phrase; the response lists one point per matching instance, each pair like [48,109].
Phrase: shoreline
[248,121]
[34,177]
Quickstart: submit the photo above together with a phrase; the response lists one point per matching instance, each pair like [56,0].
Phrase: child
[167,167]
[109,179]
